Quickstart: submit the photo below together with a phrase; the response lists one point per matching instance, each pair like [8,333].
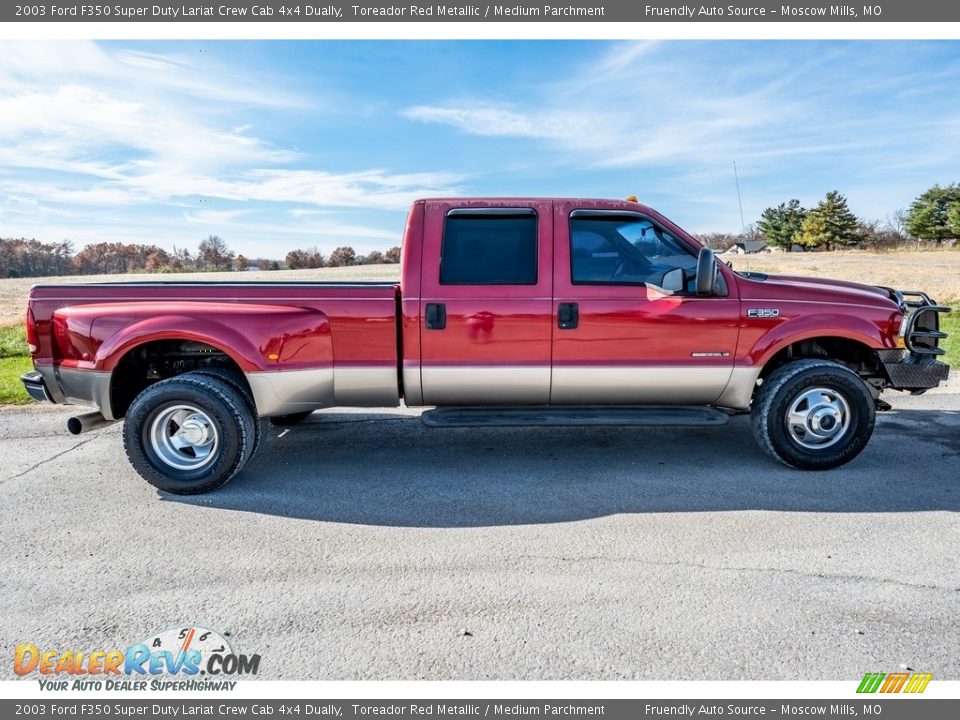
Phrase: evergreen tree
[953,220]
[830,225]
[781,225]
[935,215]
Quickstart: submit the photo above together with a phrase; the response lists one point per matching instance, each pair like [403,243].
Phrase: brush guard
[916,369]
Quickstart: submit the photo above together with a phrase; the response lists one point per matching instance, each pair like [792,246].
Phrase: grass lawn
[951,324]
[14,362]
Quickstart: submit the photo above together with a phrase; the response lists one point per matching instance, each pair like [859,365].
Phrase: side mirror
[706,272]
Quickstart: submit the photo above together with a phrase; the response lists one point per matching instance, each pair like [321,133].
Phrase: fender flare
[211,332]
[809,327]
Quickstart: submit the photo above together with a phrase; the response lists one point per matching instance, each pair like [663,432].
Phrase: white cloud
[505,121]
[85,127]
[649,103]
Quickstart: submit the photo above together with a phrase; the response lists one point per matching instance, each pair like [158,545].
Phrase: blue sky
[277,145]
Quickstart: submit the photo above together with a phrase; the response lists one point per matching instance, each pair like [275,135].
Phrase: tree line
[22,257]
[933,217]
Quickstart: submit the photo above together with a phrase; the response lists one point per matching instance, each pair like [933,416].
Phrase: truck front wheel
[813,414]
[189,434]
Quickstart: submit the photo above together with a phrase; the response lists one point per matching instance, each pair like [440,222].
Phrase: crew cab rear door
[620,337]
[485,307]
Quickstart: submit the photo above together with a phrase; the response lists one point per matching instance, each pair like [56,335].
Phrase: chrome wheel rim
[184,437]
[818,418]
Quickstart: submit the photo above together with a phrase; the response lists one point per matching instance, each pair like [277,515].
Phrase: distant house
[747,247]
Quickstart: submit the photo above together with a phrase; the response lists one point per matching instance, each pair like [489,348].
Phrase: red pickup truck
[510,311]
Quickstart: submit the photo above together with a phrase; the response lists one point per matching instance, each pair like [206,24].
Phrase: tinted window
[625,250]
[489,250]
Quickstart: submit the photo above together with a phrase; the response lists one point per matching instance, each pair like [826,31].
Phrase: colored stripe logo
[894,682]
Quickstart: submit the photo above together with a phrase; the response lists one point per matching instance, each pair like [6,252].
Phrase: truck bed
[307,343]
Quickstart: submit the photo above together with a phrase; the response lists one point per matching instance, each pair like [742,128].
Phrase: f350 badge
[763,312]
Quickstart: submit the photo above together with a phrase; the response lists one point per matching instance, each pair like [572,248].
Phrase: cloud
[369,188]
[504,121]
[89,127]
[650,103]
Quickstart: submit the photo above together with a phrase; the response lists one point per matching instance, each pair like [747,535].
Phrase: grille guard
[922,333]
[917,369]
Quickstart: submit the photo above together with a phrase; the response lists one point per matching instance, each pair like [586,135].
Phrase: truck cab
[570,302]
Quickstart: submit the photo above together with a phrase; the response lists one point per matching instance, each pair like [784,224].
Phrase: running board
[571,416]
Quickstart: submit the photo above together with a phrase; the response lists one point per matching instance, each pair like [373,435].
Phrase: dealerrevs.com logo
[177,658]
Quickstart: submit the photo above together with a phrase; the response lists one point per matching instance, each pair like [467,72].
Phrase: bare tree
[214,254]
[342,256]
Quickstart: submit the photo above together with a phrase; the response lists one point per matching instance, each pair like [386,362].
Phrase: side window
[489,249]
[627,250]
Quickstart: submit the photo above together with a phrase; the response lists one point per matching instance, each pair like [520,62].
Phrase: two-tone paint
[304,346]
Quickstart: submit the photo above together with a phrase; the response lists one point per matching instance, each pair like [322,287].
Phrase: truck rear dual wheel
[236,381]
[813,414]
[189,434]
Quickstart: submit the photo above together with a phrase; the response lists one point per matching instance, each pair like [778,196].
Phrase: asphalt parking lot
[361,545]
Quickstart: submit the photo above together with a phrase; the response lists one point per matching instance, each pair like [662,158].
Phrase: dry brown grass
[13,291]
[937,273]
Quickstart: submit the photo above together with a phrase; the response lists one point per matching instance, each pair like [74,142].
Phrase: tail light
[33,342]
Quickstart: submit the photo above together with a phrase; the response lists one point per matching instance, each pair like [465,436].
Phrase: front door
[628,328]
[485,308]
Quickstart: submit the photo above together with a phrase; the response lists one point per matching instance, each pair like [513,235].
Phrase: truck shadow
[385,468]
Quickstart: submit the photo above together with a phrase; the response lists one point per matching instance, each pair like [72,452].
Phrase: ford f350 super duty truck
[510,311]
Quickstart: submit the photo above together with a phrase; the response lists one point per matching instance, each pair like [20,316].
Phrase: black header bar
[617,11]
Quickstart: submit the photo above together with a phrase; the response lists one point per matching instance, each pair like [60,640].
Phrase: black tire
[226,418]
[236,381]
[291,419]
[833,432]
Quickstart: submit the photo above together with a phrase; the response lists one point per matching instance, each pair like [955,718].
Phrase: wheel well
[150,362]
[860,358]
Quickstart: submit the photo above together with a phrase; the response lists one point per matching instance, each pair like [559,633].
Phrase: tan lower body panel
[412,390]
[625,385]
[292,391]
[366,386]
[738,395]
[484,385]
[84,387]
[280,393]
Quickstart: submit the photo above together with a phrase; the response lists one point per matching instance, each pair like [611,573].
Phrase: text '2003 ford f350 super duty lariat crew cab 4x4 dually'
[509,312]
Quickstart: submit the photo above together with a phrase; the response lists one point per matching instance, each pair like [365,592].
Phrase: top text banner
[617,11]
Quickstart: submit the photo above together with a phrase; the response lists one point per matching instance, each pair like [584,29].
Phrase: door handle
[568,316]
[436,316]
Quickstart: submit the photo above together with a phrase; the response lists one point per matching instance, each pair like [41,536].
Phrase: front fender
[873,333]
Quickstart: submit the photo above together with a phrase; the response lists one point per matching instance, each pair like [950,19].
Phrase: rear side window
[489,249]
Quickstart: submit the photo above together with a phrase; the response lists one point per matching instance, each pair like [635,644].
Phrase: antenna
[736,176]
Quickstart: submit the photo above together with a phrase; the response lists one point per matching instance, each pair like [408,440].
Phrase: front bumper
[35,386]
[910,371]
